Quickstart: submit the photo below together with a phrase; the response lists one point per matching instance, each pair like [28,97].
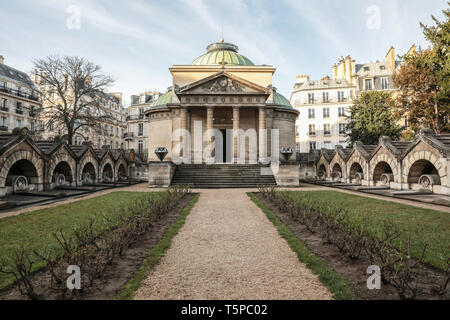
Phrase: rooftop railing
[19,93]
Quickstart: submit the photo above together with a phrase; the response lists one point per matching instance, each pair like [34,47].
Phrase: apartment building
[19,101]
[323,106]
[109,132]
[136,136]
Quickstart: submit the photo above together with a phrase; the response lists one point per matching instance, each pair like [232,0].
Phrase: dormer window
[366,68]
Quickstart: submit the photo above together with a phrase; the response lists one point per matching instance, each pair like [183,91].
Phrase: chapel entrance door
[223,146]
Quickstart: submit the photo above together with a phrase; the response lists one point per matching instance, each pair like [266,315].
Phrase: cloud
[98,15]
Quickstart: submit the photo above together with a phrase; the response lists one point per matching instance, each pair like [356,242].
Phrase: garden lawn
[34,230]
[422,225]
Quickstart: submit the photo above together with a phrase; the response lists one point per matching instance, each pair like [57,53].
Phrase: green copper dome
[163,100]
[281,101]
[218,52]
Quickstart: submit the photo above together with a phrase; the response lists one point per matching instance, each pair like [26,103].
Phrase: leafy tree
[424,80]
[73,91]
[372,117]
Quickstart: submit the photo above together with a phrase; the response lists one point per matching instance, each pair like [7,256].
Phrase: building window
[4,105]
[326,129]
[140,146]
[141,130]
[4,122]
[19,108]
[325,97]
[312,130]
[78,141]
[311,114]
[384,83]
[368,83]
[341,111]
[326,113]
[310,98]
[297,147]
[312,146]
[341,128]
[18,123]
[341,96]
[327,144]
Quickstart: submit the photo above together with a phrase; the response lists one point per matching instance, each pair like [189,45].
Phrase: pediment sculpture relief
[223,84]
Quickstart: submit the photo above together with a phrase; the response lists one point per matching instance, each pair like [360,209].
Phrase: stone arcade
[422,164]
[27,165]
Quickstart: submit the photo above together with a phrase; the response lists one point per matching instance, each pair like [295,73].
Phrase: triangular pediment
[222,83]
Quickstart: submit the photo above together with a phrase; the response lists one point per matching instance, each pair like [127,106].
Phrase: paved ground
[228,249]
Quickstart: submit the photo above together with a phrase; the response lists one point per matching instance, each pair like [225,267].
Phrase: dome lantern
[222,51]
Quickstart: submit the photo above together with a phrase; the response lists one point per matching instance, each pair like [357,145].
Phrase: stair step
[222,176]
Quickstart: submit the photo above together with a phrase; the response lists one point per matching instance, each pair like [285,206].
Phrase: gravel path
[228,249]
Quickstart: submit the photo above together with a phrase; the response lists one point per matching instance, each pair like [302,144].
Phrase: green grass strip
[338,286]
[155,254]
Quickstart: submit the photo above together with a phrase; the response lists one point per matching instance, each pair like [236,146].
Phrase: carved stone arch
[19,155]
[426,155]
[59,158]
[323,163]
[338,160]
[89,158]
[106,160]
[356,158]
[387,158]
[118,164]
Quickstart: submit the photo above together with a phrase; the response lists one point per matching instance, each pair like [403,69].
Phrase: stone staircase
[223,176]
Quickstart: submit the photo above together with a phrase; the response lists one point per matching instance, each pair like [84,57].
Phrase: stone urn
[161,153]
[286,153]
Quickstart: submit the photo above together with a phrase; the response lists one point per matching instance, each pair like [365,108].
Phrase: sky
[136,41]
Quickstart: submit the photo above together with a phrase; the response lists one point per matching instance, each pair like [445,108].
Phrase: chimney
[301,79]
[2,59]
[412,51]
[390,58]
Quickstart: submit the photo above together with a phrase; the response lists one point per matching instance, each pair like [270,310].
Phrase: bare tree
[73,91]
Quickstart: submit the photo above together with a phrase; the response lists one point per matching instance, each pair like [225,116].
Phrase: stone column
[209,125]
[262,136]
[183,122]
[236,124]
